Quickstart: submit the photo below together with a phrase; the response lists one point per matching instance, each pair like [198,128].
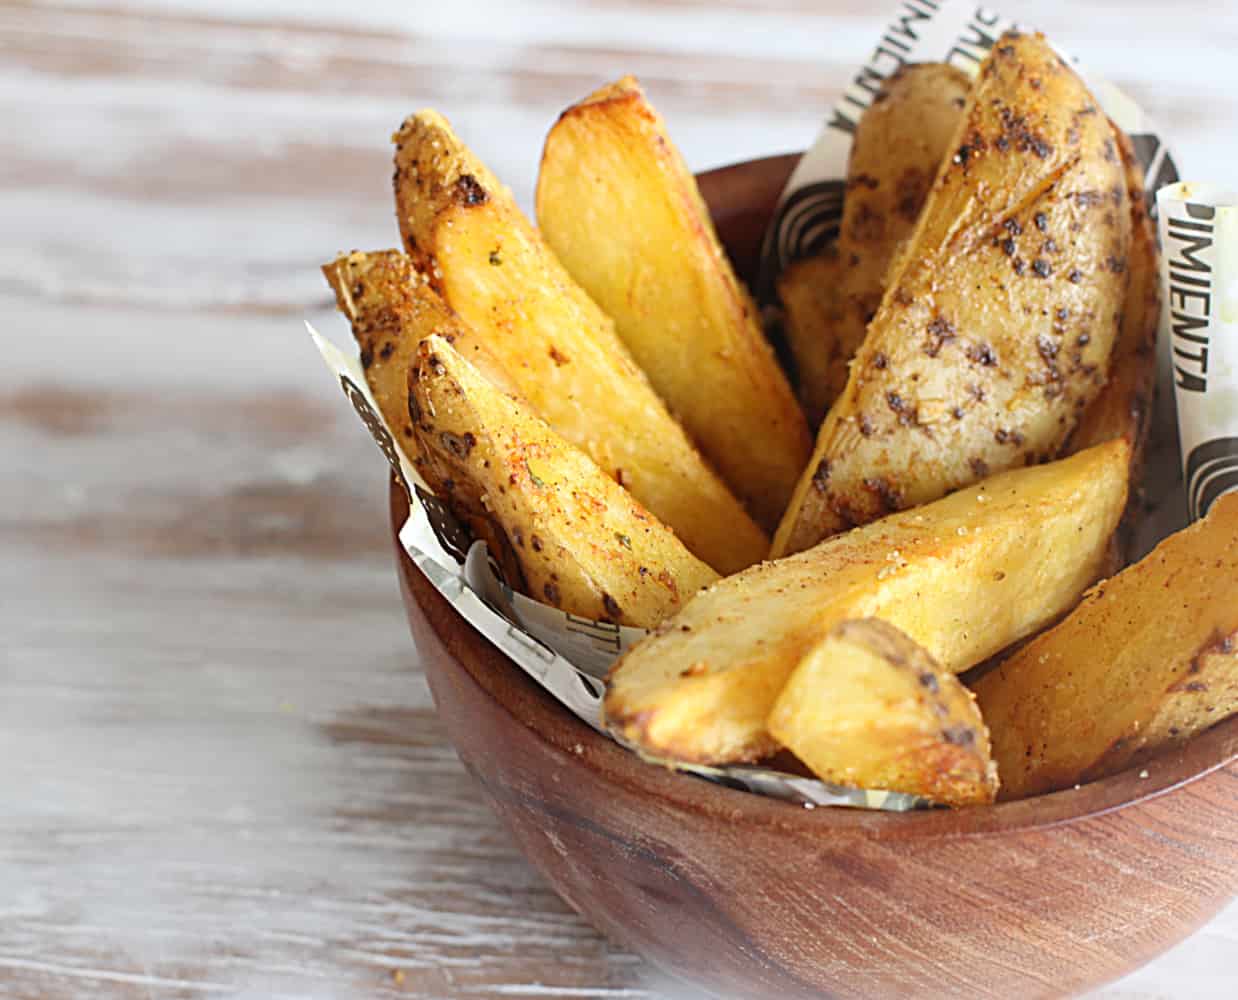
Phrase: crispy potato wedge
[1124,406]
[869,708]
[998,320]
[1147,660]
[391,308]
[583,543]
[619,207]
[900,144]
[811,292]
[964,577]
[828,300]
[463,229]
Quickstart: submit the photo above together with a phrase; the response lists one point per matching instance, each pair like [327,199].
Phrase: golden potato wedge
[583,543]
[998,320]
[812,303]
[1147,660]
[900,143]
[828,300]
[964,577]
[391,308]
[463,229]
[869,708]
[1124,406]
[619,207]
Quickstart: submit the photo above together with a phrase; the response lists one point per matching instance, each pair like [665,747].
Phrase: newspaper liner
[569,656]
[1199,328]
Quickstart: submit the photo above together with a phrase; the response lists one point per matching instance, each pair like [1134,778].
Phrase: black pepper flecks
[940,330]
[469,192]
[458,444]
[887,494]
[959,736]
[821,476]
[982,354]
[612,607]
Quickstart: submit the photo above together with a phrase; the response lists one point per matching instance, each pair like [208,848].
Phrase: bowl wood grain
[752,897]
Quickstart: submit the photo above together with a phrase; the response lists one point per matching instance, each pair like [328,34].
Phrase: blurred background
[221,770]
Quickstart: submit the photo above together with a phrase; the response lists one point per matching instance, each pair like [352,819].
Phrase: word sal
[1189,252]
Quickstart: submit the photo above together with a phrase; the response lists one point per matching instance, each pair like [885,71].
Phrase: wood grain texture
[223,775]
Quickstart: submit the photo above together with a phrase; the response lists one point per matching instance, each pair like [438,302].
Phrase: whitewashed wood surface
[220,768]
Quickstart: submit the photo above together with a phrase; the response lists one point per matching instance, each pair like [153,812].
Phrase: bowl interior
[741,198]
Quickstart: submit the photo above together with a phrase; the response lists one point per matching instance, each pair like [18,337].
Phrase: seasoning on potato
[465,233]
[1147,660]
[964,577]
[1123,408]
[869,708]
[584,545]
[900,143]
[391,308]
[619,207]
[998,318]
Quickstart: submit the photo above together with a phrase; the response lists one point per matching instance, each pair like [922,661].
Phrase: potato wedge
[463,229]
[998,320]
[391,308]
[583,543]
[869,708]
[1149,659]
[964,577]
[1124,406]
[619,207]
[901,141]
[828,300]
[812,304]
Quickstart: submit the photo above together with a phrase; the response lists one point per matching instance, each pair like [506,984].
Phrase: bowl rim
[527,704]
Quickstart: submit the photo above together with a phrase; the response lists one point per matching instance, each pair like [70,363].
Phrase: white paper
[1199,324]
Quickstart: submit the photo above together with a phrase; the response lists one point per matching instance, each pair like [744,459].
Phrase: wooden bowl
[753,897]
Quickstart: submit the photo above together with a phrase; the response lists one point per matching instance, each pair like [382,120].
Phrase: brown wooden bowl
[753,897]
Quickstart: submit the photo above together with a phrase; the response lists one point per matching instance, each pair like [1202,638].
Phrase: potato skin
[618,206]
[1147,660]
[583,543]
[828,300]
[811,292]
[391,308]
[464,231]
[901,141]
[1125,405]
[869,708]
[996,329]
[964,577]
